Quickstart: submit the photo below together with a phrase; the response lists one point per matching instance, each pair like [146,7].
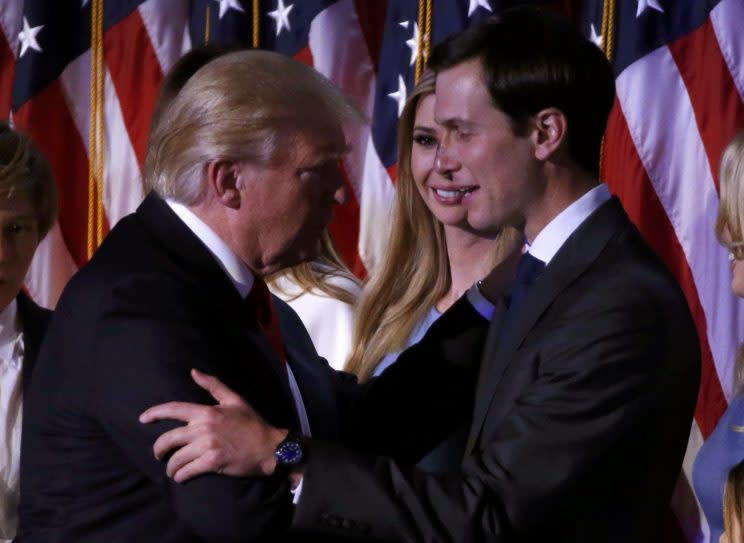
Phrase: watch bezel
[291,450]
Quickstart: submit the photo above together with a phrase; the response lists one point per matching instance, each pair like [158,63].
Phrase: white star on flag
[84,3]
[475,4]
[404,24]
[400,95]
[643,5]
[27,37]
[413,44]
[281,16]
[226,5]
[595,38]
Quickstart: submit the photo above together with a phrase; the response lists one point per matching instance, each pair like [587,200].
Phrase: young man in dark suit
[28,209]
[590,373]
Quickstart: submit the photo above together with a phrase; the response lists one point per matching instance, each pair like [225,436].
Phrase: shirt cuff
[297,492]
[479,302]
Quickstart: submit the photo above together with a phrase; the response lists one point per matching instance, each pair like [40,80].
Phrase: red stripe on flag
[393,173]
[719,111]
[344,230]
[305,55]
[136,73]
[7,72]
[61,143]
[624,173]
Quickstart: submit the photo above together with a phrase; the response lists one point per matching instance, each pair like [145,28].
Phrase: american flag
[680,81]
[679,69]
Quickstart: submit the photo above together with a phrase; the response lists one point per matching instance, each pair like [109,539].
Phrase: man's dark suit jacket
[152,304]
[581,417]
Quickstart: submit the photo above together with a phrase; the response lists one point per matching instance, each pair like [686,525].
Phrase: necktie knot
[529,269]
[259,301]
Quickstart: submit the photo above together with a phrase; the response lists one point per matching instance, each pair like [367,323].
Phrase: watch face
[289,452]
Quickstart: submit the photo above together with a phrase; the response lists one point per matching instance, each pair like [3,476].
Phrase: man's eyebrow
[331,154]
[22,217]
[455,121]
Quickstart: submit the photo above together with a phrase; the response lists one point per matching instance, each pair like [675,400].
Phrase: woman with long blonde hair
[433,256]
[718,470]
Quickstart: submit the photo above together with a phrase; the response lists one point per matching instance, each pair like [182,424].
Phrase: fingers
[182,411]
[194,459]
[196,455]
[199,464]
[219,391]
[173,439]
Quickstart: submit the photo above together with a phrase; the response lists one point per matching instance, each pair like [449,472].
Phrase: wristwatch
[291,451]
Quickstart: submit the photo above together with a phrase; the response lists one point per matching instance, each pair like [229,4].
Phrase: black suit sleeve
[143,357]
[595,383]
[424,396]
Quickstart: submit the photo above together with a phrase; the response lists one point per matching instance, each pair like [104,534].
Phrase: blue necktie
[528,271]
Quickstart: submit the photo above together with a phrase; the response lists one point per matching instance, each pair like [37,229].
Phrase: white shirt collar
[9,326]
[551,238]
[10,330]
[240,274]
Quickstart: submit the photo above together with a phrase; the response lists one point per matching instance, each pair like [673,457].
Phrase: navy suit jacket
[580,420]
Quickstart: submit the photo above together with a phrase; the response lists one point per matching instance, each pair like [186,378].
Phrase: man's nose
[444,162]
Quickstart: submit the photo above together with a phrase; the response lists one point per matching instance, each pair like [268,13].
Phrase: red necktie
[260,303]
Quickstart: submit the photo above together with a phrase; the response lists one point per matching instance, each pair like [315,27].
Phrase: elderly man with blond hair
[244,165]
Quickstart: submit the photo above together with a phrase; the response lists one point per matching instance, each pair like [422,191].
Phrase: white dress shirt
[240,276]
[551,238]
[11,412]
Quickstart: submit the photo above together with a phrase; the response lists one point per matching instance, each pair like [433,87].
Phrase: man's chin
[485,230]
[291,260]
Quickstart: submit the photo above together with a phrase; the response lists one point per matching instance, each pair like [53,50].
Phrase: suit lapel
[579,251]
[34,321]
[311,374]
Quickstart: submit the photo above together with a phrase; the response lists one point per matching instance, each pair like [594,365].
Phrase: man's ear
[223,179]
[550,132]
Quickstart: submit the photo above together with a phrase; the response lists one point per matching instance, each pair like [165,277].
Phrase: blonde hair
[240,106]
[313,276]
[731,208]
[729,227]
[733,500]
[415,273]
[184,68]
[24,170]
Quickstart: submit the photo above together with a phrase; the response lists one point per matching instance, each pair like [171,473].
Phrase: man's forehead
[318,146]
[460,95]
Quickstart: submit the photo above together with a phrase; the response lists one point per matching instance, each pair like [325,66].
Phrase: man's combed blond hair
[238,107]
